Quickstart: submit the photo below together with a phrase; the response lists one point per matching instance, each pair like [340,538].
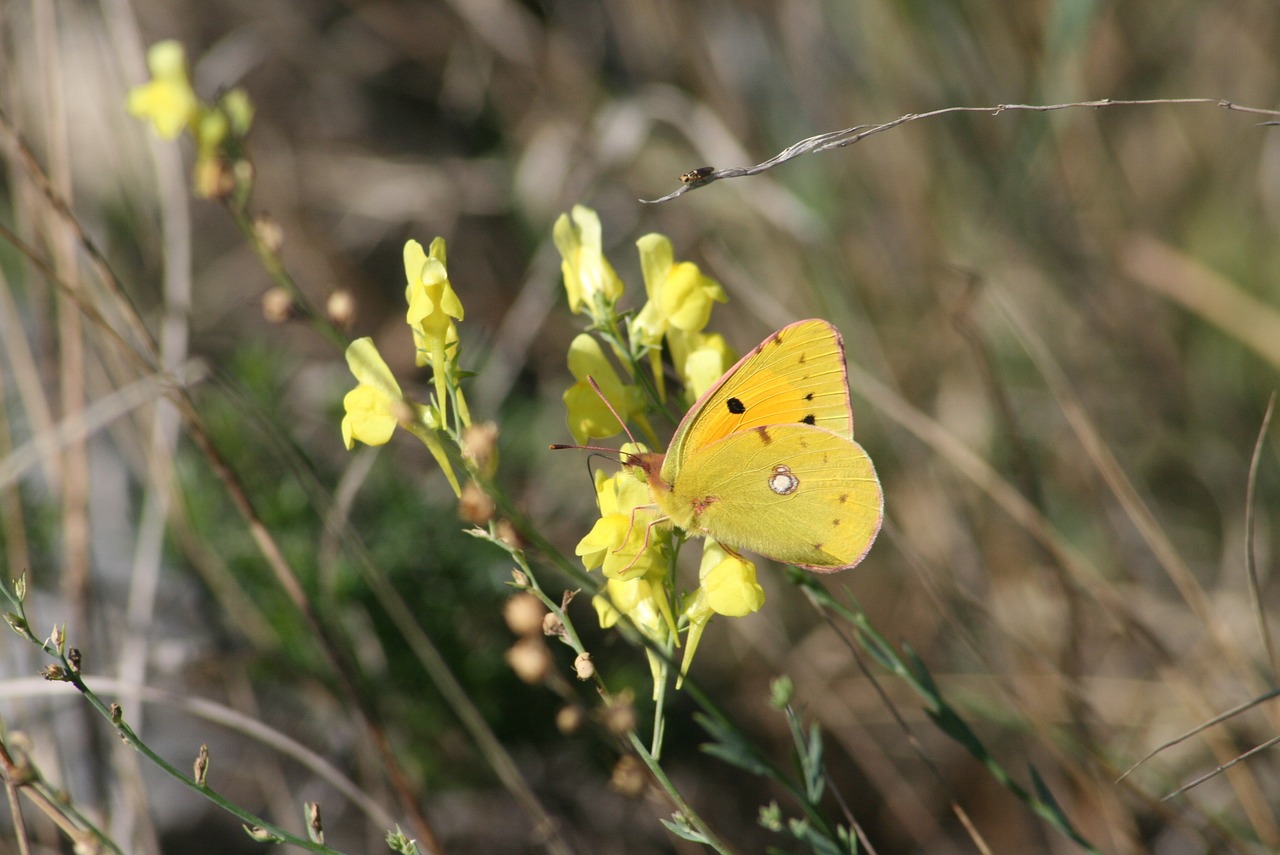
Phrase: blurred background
[1063,331]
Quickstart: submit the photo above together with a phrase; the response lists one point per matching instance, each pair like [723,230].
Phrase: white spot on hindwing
[782,481]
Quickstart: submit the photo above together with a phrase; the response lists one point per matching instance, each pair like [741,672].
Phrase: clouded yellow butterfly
[765,461]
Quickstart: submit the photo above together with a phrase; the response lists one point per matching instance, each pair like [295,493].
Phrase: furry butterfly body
[766,461]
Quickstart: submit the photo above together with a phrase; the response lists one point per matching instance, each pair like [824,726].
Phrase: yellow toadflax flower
[588,416]
[700,359]
[167,100]
[680,300]
[376,406]
[589,279]
[624,542]
[433,308]
[728,587]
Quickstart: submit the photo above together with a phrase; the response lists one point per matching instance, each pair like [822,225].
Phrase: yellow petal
[369,369]
[369,417]
[730,585]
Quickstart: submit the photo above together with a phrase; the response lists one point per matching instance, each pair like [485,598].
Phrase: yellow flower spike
[587,415]
[728,587]
[433,307]
[167,100]
[589,280]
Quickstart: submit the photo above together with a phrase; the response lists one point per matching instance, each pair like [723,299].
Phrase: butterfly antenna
[594,385]
[627,458]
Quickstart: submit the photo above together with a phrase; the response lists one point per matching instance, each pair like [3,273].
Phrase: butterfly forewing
[798,494]
[796,376]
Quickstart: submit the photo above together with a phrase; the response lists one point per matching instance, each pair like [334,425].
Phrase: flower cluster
[169,103]
[376,406]
[631,543]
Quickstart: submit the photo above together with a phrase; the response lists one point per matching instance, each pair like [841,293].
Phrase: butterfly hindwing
[796,376]
[798,494]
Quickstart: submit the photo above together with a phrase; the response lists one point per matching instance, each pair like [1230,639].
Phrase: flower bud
[569,719]
[552,625]
[619,714]
[506,532]
[584,667]
[479,443]
[523,614]
[629,777]
[475,506]
[268,233]
[278,306]
[341,308]
[530,659]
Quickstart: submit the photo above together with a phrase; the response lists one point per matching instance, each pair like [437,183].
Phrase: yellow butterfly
[765,460]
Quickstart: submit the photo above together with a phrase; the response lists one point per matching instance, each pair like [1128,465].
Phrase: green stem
[694,820]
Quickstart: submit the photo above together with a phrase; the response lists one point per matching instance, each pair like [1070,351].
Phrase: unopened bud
[16,623]
[479,446]
[518,576]
[507,533]
[210,178]
[530,659]
[474,505]
[278,305]
[523,614]
[341,308]
[20,586]
[584,667]
[268,233]
[117,713]
[58,638]
[569,719]
[552,625]
[629,777]
[73,659]
[619,714]
[53,673]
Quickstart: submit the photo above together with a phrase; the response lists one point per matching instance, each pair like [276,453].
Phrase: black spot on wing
[810,419]
[736,406]
[809,397]
[844,497]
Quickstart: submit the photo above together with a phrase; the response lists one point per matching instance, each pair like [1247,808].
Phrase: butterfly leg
[648,530]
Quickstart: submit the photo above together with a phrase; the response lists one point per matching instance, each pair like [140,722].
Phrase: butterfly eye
[782,481]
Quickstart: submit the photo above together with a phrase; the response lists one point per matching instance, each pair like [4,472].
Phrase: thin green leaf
[731,746]
[679,826]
